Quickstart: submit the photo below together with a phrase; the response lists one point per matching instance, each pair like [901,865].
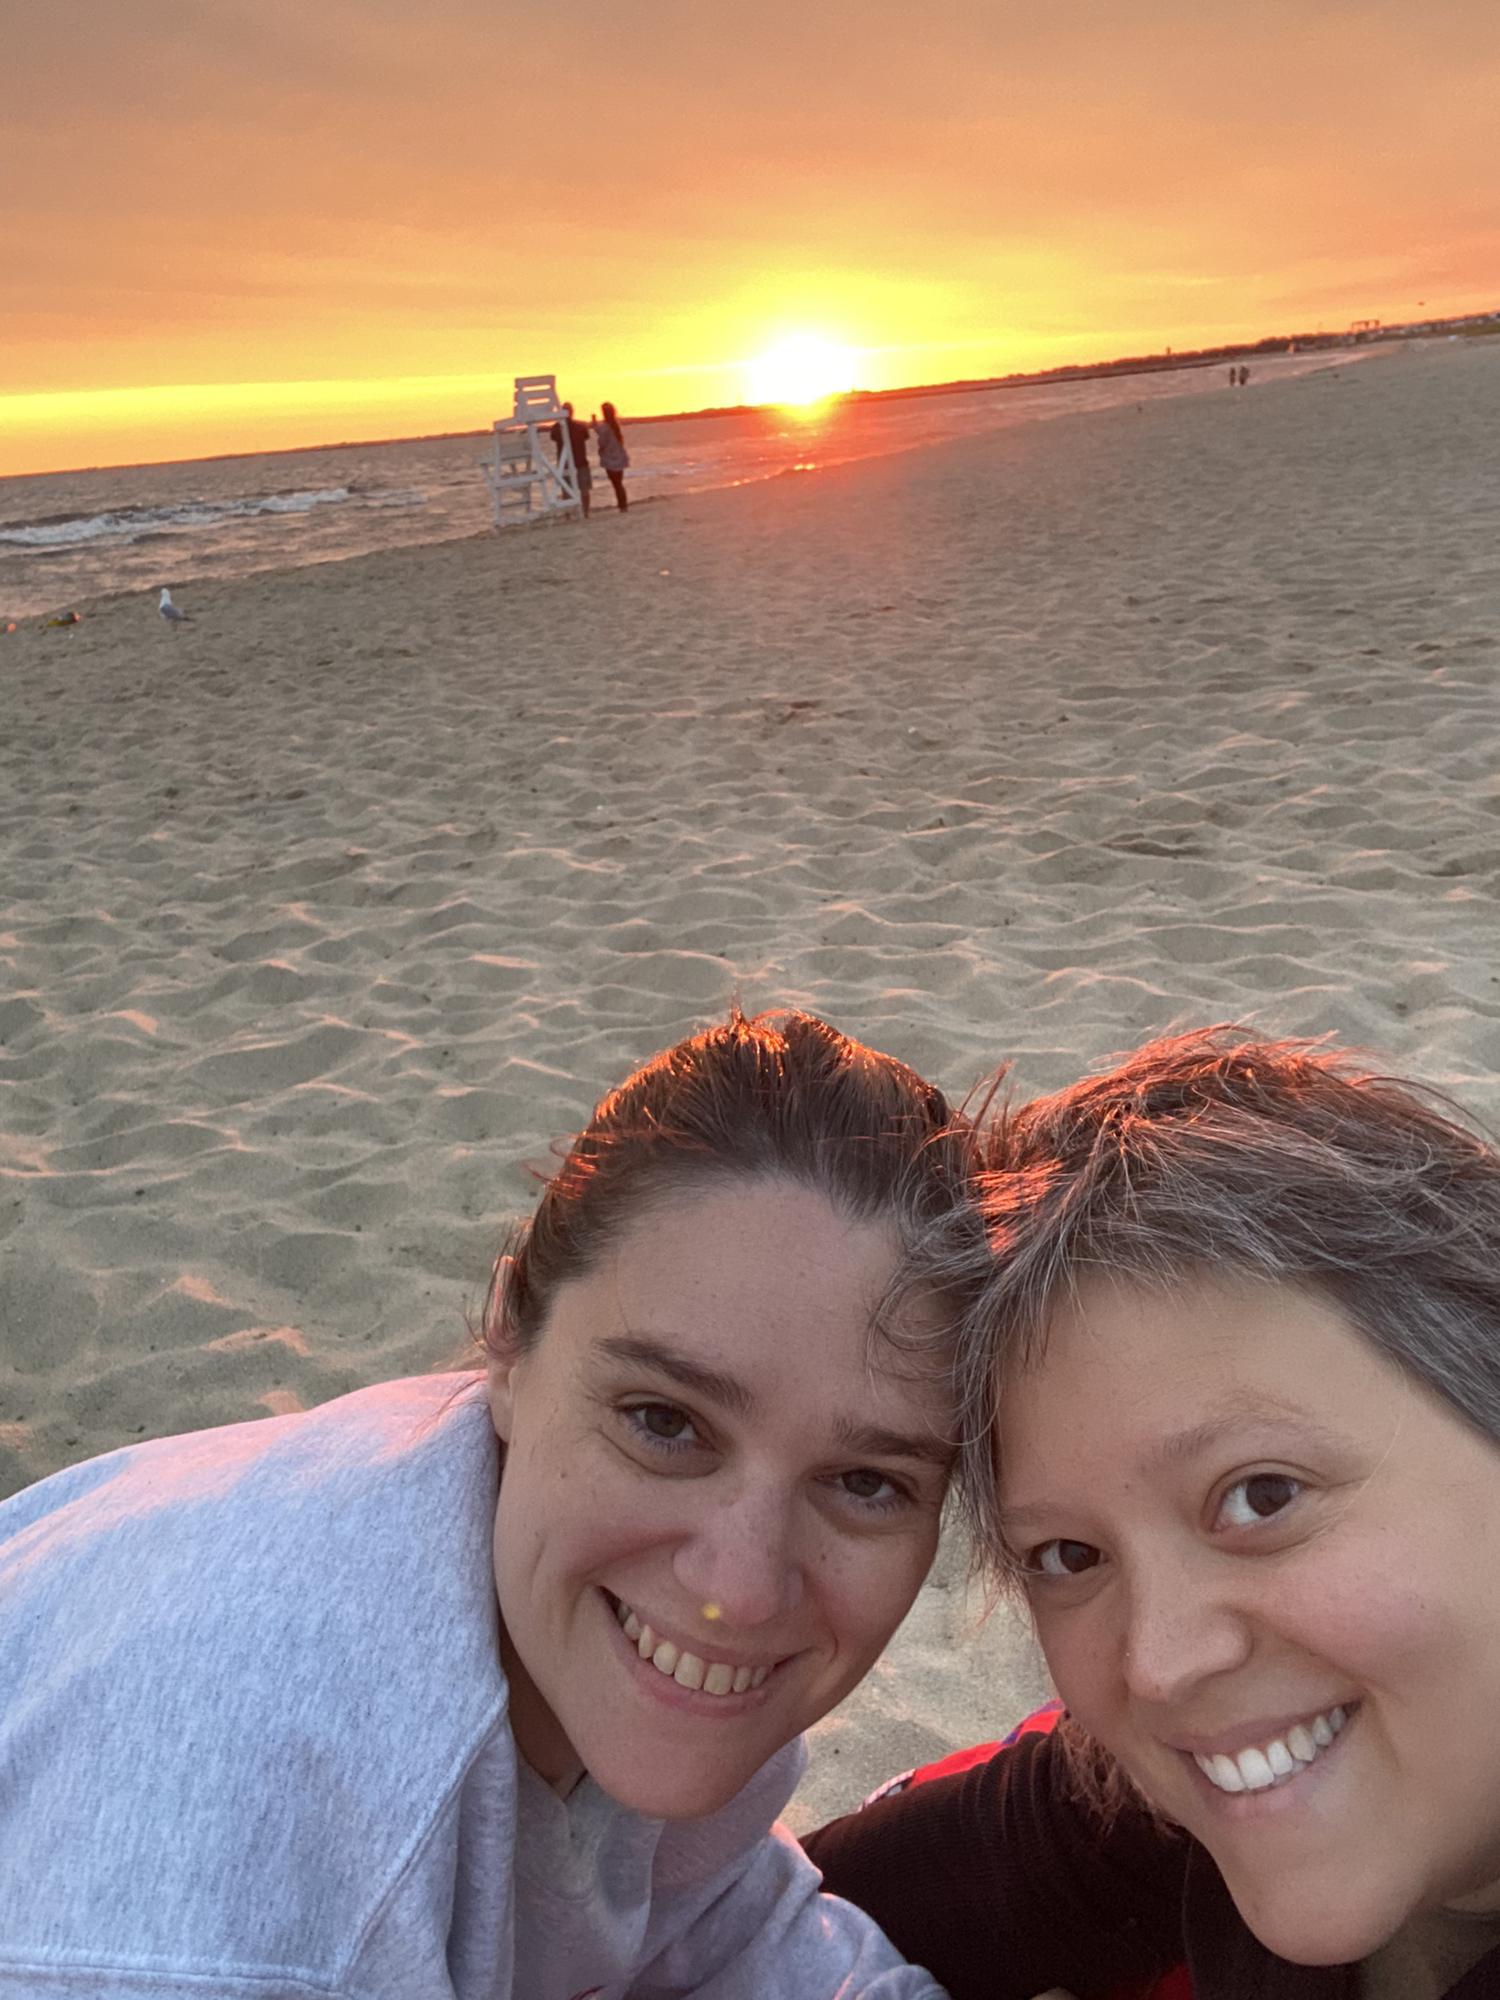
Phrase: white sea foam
[136,523]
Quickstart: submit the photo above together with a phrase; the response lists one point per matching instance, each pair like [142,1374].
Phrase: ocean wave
[132,524]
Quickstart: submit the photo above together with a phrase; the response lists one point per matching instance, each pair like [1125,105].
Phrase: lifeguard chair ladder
[527,481]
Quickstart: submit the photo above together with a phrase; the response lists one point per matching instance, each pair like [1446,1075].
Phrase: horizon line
[1073,370]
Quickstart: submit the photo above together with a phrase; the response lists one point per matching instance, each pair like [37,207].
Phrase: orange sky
[237,224]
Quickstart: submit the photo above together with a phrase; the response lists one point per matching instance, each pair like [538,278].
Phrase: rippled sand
[325,915]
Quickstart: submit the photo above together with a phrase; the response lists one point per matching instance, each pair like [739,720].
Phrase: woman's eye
[864,1484]
[664,1422]
[1257,1498]
[1063,1558]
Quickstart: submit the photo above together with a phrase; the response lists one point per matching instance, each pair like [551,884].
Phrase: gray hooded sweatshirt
[253,1742]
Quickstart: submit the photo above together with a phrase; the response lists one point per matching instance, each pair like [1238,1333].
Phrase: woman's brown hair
[780,1097]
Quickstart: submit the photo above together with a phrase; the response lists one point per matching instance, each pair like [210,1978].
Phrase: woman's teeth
[711,1676]
[1256,1770]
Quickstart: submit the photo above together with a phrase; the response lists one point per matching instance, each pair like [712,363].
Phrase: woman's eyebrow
[1248,1413]
[875,1441]
[642,1351]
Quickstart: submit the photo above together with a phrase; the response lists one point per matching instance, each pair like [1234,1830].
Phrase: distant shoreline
[1082,371]
[1074,371]
[134,550]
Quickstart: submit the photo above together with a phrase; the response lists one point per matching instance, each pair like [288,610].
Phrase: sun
[803,368]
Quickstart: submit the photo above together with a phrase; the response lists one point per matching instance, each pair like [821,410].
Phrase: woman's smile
[1267,1760]
[684,1669]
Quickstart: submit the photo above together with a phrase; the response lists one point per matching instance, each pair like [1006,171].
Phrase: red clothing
[987,1870]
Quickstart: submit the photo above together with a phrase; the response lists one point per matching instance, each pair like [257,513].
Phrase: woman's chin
[1305,1929]
[667,1795]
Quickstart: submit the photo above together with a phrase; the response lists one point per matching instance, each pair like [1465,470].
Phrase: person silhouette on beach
[613,457]
[579,434]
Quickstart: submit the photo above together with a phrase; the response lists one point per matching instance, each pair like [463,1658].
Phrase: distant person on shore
[613,457]
[579,434]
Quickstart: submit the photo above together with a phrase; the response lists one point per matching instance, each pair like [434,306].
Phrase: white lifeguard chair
[529,480]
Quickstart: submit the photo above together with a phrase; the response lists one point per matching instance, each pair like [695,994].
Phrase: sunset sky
[238,224]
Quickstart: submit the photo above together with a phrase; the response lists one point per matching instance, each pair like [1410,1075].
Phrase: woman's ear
[499,1372]
[502,1351]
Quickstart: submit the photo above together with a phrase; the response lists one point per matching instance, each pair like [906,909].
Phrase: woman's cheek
[1077,1655]
[1368,1621]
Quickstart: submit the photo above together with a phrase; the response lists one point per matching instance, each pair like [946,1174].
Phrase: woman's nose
[740,1564]
[1184,1626]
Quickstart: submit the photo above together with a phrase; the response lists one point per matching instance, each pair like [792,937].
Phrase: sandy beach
[323,916]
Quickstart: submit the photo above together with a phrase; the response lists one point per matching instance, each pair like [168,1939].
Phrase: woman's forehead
[746,1241]
[1160,1373]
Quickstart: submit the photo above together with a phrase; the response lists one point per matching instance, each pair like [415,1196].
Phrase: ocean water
[66,537]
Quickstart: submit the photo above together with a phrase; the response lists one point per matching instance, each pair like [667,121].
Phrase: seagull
[170,611]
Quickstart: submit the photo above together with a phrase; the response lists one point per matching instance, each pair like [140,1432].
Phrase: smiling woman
[700,1426]
[1244,1461]
[493,1687]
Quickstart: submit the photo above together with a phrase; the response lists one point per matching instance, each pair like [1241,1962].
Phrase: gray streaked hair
[1215,1152]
